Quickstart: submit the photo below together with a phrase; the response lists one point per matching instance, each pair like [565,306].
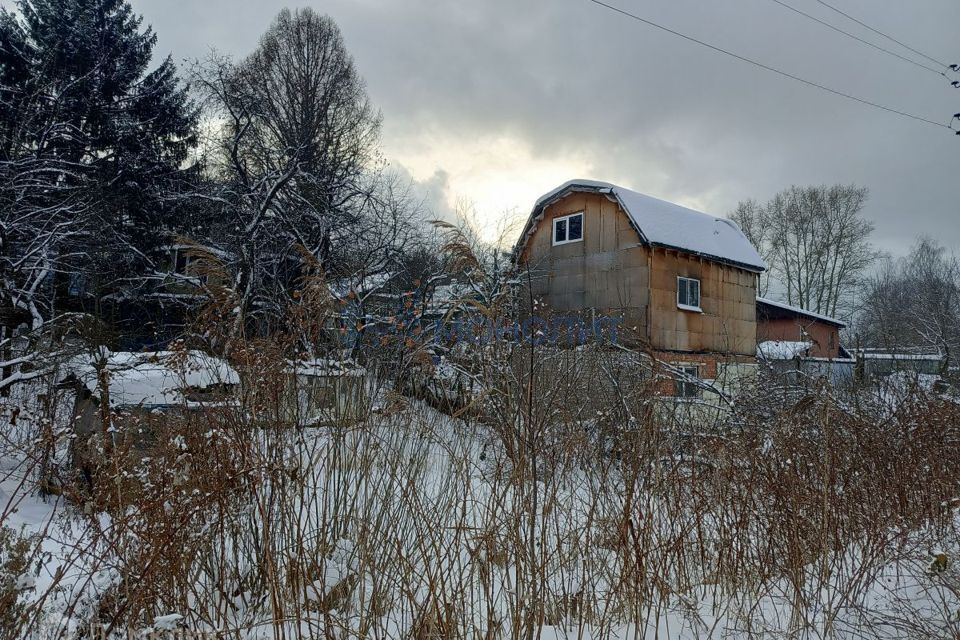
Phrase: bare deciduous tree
[296,154]
[815,241]
[915,301]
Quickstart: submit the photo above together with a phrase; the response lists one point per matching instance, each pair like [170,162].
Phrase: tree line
[816,243]
[272,162]
[107,159]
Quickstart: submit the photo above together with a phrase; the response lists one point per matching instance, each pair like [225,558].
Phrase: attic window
[688,294]
[568,229]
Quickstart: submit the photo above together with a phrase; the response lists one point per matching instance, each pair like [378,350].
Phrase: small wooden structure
[193,267]
[780,322]
[798,345]
[141,389]
[328,391]
[879,363]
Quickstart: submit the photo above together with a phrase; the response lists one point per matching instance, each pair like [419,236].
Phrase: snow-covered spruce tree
[93,146]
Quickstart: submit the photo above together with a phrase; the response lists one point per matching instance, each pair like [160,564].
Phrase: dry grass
[582,507]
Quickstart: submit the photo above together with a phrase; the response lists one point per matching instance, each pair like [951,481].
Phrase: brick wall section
[708,364]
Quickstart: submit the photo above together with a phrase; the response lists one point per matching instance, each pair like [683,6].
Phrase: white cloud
[498,175]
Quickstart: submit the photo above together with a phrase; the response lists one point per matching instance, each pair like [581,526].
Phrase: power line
[881,33]
[768,67]
[859,39]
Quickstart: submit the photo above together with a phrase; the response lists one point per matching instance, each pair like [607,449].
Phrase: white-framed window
[685,384]
[688,294]
[568,229]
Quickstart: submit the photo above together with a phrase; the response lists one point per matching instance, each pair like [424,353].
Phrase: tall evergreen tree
[78,96]
[94,147]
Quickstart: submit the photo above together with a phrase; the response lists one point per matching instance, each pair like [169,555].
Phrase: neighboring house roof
[773,310]
[157,379]
[866,354]
[662,224]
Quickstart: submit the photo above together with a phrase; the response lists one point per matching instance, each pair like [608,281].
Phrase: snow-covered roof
[782,349]
[926,357]
[155,379]
[801,311]
[662,224]
[198,248]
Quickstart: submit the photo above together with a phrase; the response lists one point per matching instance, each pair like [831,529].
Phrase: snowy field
[412,524]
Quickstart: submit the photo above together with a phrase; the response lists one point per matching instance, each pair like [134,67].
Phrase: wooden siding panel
[728,297]
[607,272]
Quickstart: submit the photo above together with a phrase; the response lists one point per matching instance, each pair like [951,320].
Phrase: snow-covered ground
[414,524]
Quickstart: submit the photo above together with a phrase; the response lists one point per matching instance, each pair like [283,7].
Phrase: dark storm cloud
[656,113]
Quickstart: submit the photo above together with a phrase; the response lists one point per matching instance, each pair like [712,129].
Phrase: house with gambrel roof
[684,282]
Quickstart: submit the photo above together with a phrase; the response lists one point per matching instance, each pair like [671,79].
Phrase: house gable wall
[727,323]
[607,272]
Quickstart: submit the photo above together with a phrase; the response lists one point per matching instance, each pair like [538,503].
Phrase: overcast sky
[498,101]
